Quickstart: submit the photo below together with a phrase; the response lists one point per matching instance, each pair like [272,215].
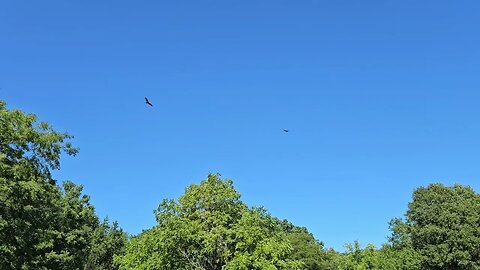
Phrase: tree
[42,226]
[261,244]
[29,200]
[307,249]
[405,258]
[107,242]
[442,224]
[209,228]
[356,258]
[371,258]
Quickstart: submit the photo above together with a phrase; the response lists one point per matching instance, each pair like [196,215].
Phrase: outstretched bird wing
[148,102]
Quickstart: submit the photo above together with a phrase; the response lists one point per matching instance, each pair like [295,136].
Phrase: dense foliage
[210,228]
[47,226]
[43,225]
[441,230]
[443,225]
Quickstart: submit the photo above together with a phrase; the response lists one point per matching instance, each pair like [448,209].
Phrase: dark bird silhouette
[285,130]
[148,102]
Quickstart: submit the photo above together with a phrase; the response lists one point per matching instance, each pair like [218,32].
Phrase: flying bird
[285,130]
[148,102]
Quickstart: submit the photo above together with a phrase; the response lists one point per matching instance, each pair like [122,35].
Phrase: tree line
[47,225]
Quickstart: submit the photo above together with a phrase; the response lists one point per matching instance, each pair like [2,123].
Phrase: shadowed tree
[42,226]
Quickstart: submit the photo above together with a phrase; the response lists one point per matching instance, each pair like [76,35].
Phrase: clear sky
[380,97]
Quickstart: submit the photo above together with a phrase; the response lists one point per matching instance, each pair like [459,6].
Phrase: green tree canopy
[42,225]
[210,228]
[443,225]
[307,249]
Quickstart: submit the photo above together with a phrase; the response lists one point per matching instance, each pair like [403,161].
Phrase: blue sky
[380,97]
